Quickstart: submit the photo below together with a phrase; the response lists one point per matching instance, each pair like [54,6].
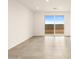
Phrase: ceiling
[47,5]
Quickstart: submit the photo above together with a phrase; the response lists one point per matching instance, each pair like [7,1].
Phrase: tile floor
[42,47]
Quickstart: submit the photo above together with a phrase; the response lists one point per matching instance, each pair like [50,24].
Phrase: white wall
[20,23]
[40,23]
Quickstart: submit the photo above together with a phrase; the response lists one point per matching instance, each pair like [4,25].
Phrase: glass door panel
[49,24]
[59,24]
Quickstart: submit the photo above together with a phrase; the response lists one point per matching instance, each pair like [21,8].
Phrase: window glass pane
[59,19]
[49,24]
[49,19]
[59,24]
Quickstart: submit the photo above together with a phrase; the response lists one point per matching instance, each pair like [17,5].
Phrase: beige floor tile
[47,47]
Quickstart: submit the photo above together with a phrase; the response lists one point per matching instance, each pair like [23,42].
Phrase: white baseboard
[14,45]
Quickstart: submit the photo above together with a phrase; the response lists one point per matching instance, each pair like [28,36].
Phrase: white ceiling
[43,5]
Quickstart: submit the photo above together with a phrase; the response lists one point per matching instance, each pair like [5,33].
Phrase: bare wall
[20,23]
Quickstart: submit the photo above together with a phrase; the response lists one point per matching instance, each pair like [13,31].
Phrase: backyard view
[54,24]
[49,29]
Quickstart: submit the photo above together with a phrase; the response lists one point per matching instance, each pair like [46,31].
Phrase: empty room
[39,29]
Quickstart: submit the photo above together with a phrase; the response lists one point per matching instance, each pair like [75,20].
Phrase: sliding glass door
[49,24]
[59,24]
[54,24]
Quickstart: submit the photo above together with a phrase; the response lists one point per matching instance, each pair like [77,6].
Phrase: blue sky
[52,19]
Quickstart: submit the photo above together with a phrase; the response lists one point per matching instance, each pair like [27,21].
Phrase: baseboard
[20,43]
[52,35]
[67,36]
[38,35]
